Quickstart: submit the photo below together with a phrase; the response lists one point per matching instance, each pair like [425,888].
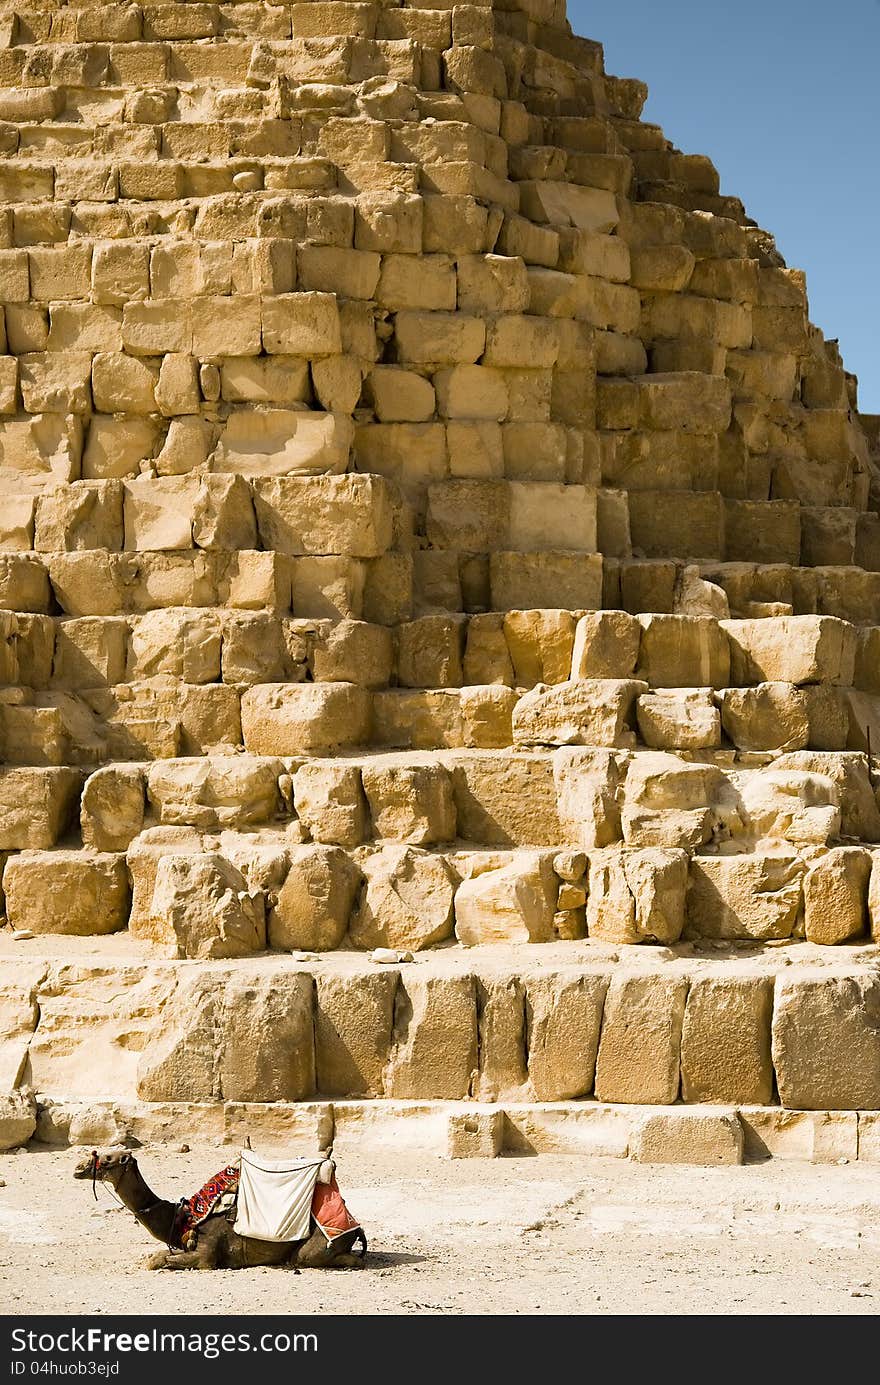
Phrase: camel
[218,1245]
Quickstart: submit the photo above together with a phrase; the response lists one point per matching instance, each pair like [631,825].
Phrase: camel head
[109,1164]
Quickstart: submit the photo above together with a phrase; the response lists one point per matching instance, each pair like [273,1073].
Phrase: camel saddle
[269,1200]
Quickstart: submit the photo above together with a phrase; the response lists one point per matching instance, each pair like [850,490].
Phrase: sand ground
[512,1235]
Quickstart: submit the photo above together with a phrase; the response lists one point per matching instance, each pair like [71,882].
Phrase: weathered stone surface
[505,800]
[507,900]
[434,1046]
[606,645]
[36,806]
[641,1035]
[406,900]
[690,1137]
[637,896]
[354,1019]
[74,892]
[683,719]
[825,1041]
[410,803]
[836,895]
[202,907]
[772,716]
[330,803]
[304,718]
[112,808]
[314,904]
[725,1042]
[587,783]
[214,792]
[242,1036]
[18,1119]
[564,1015]
[792,649]
[586,712]
[683,652]
[754,896]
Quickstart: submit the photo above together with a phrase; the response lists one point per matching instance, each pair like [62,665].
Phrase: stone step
[692,1135]
[452,1029]
[408,851]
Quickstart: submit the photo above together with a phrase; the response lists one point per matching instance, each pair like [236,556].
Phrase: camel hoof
[158,1261]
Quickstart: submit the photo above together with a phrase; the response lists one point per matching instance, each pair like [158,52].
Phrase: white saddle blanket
[275,1197]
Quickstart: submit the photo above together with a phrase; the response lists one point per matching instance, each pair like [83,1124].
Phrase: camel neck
[155,1213]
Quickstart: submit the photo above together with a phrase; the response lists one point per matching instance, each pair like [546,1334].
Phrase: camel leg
[317,1253]
[181,1260]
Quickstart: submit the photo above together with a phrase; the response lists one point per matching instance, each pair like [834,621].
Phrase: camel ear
[125,1158]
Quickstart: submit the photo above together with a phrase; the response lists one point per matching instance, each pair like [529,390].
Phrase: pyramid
[440,601]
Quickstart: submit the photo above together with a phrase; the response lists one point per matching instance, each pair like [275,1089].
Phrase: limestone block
[264,380]
[429,652]
[825,1048]
[637,896]
[703,1138]
[253,648]
[84,515]
[17,523]
[116,447]
[486,657]
[36,806]
[203,908]
[792,649]
[586,786]
[472,392]
[564,1016]
[669,802]
[243,1035]
[223,514]
[566,204]
[353,1024]
[540,646]
[679,719]
[327,587]
[492,284]
[544,516]
[523,580]
[123,383]
[334,269]
[330,803]
[159,512]
[510,899]
[683,652]
[264,441]
[179,642]
[55,382]
[400,396]
[860,816]
[725,1042]
[408,283]
[686,399]
[606,645]
[790,805]
[73,892]
[487,716]
[142,859]
[755,896]
[24,583]
[506,799]
[230,326]
[434,1047]
[90,652]
[410,803]
[389,225]
[836,895]
[314,904]
[475,1134]
[112,808]
[305,718]
[597,712]
[406,900]
[350,515]
[771,716]
[425,338]
[638,1058]
[469,515]
[211,792]
[354,651]
[177,391]
[412,719]
[18,1119]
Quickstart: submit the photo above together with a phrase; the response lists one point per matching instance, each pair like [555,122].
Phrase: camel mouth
[83,1170]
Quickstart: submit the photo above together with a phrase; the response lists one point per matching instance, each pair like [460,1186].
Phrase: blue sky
[784,97]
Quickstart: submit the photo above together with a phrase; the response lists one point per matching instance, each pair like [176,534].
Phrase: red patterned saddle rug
[218,1196]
